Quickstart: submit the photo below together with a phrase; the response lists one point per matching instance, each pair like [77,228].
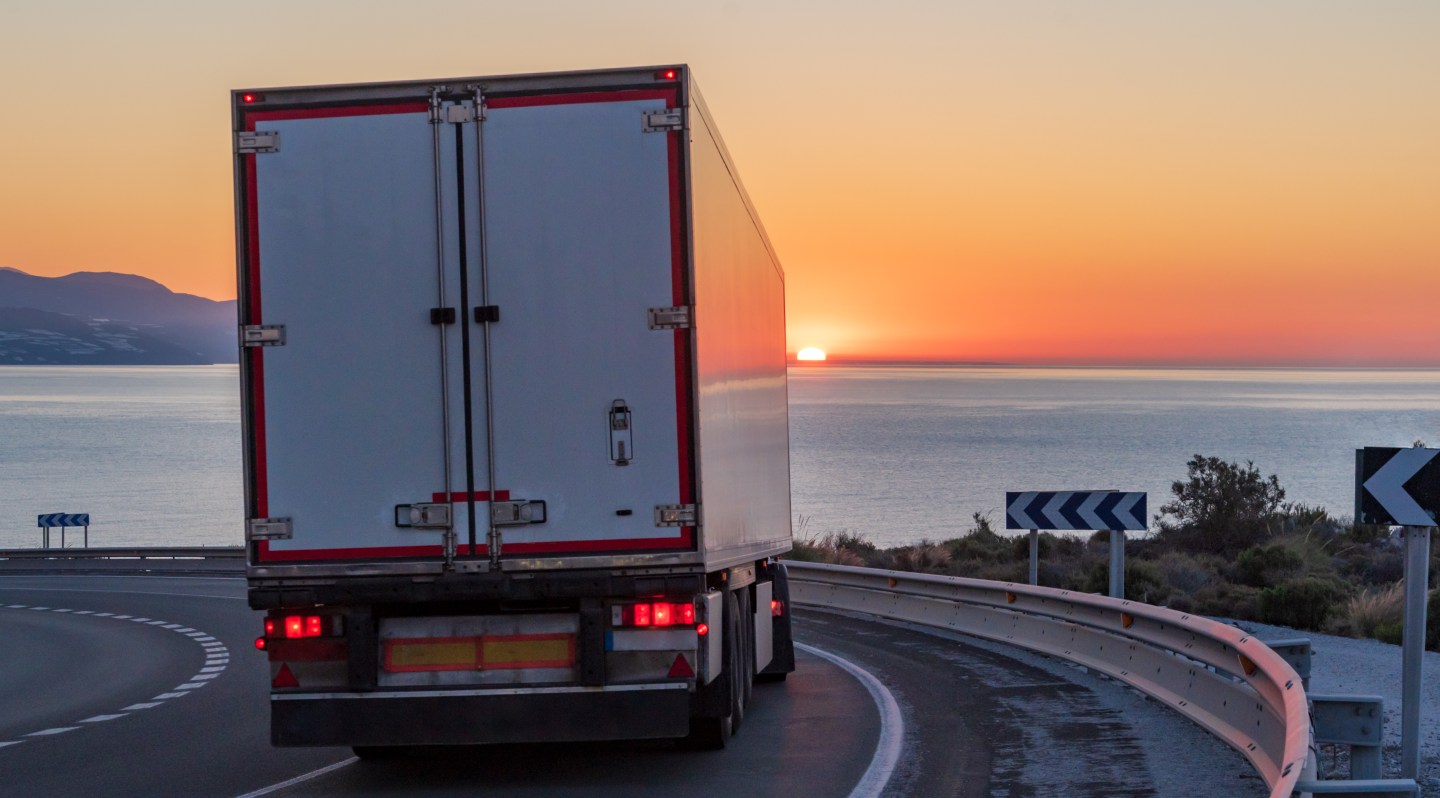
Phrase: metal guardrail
[1217,675]
[128,553]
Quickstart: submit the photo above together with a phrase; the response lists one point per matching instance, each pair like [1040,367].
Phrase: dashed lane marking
[48,732]
[217,657]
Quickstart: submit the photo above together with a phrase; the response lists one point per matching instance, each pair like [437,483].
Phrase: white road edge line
[306,777]
[892,727]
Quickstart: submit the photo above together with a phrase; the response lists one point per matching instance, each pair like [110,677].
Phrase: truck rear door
[460,327]
[585,255]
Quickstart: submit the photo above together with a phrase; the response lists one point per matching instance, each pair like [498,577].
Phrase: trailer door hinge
[663,121]
[268,529]
[252,141]
[262,335]
[670,318]
[677,515]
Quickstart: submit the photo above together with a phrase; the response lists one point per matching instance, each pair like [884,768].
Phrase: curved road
[150,685]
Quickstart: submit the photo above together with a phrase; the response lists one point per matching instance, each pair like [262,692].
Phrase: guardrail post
[1354,720]
[1296,652]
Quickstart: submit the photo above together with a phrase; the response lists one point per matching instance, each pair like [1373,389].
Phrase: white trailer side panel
[740,331]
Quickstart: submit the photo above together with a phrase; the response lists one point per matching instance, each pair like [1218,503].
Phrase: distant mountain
[131,319]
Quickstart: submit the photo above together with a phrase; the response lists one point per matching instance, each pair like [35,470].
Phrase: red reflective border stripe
[479,496]
[333,112]
[678,250]
[534,100]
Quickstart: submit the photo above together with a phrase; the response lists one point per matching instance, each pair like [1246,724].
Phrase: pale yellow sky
[1156,181]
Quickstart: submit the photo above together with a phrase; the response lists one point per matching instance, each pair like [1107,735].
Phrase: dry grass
[1364,614]
[925,558]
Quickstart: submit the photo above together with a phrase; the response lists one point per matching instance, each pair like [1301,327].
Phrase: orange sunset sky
[1036,181]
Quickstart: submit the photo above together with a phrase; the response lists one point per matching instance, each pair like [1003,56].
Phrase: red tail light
[777,608]
[653,613]
[294,627]
[260,643]
[703,629]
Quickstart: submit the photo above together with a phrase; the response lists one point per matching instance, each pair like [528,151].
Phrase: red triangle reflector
[285,678]
[680,668]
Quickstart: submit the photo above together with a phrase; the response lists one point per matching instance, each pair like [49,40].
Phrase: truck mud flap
[476,717]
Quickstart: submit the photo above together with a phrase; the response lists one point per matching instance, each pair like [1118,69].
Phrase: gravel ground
[1343,666]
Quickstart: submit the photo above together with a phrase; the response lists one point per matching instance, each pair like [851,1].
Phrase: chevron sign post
[1402,487]
[62,520]
[1110,510]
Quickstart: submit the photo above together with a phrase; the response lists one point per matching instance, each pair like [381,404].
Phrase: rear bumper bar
[464,717]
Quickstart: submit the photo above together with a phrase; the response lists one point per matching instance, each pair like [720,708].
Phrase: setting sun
[810,353]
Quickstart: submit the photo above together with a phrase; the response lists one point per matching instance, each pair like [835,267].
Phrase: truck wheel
[747,639]
[735,645]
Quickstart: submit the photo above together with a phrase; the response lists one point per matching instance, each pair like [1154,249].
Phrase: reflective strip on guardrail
[1217,675]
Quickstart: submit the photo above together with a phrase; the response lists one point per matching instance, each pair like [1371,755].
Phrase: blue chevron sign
[1075,509]
[63,519]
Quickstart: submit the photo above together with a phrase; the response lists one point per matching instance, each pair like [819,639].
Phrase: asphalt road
[149,686]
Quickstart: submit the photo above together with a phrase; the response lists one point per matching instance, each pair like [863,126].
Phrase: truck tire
[747,638]
[735,644]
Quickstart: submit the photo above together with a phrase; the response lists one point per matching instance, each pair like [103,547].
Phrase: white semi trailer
[513,379]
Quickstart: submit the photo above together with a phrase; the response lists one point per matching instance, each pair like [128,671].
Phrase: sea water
[152,453]
[904,454]
[895,454]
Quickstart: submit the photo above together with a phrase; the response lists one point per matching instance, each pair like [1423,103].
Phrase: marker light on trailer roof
[250,97]
[666,74]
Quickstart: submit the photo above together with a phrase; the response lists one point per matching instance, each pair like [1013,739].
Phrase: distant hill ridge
[130,320]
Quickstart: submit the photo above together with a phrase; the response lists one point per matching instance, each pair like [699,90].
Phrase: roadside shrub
[837,548]
[1373,564]
[1392,633]
[981,544]
[1263,566]
[1226,600]
[1432,621]
[924,558]
[1221,507]
[1143,582]
[1299,603]
[1188,573]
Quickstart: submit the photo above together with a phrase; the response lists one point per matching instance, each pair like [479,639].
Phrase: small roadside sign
[1075,510]
[62,519]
